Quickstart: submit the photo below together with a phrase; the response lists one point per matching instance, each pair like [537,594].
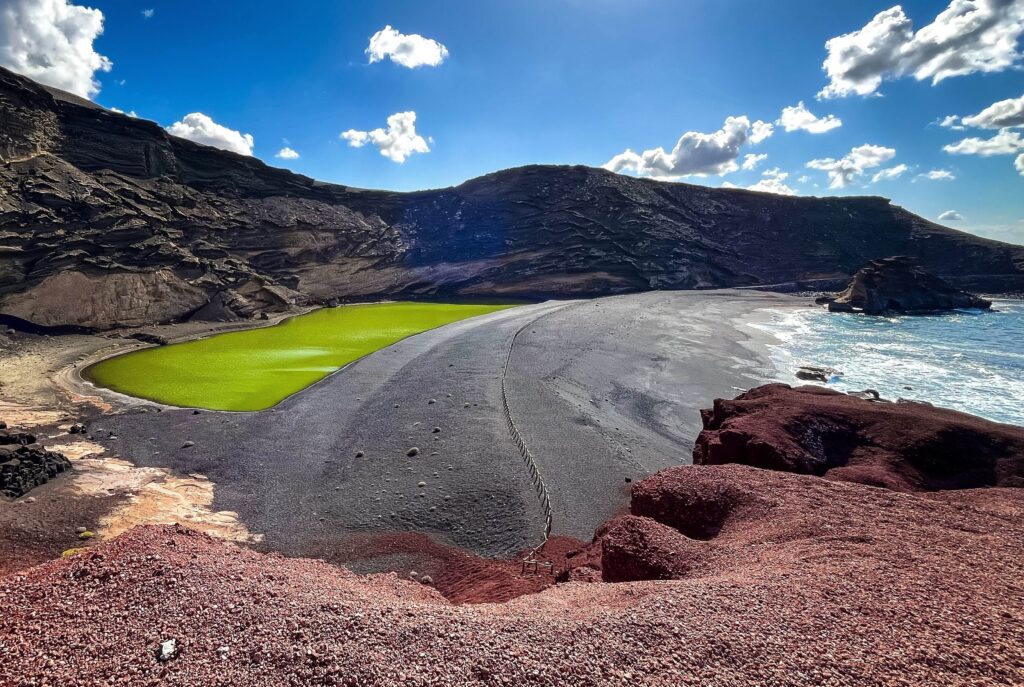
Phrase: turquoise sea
[968,360]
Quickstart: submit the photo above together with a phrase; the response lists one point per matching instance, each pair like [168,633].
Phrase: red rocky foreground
[902,446]
[780,579]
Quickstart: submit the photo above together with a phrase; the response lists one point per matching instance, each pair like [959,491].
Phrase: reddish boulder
[635,548]
[902,446]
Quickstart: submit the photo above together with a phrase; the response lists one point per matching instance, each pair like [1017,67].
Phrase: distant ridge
[107,220]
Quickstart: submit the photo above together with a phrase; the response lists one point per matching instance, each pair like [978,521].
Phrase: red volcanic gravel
[902,446]
[800,581]
[460,576]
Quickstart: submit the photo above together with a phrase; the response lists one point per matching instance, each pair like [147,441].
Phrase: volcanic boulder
[901,285]
[900,446]
[24,464]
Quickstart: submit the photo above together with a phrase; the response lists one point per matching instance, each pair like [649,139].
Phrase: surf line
[531,464]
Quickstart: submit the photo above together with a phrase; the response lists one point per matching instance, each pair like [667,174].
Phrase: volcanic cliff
[107,220]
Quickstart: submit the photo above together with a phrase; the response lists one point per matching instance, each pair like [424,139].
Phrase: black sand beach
[332,460]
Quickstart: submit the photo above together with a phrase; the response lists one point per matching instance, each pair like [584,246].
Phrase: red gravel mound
[901,446]
[799,581]
[460,576]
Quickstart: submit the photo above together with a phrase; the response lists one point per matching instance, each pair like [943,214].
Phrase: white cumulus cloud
[968,36]
[1019,163]
[950,216]
[1005,142]
[850,167]
[201,128]
[1001,115]
[148,14]
[396,143]
[759,131]
[889,173]
[410,51]
[695,153]
[799,118]
[752,160]
[950,122]
[772,181]
[51,41]
[938,175]
[287,153]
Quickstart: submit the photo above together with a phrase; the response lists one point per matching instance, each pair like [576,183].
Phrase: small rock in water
[168,650]
[413,451]
[816,374]
[867,395]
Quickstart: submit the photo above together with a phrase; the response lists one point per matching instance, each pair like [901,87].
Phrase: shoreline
[114,413]
[984,382]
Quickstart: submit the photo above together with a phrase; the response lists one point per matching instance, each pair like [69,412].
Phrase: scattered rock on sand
[24,464]
[414,451]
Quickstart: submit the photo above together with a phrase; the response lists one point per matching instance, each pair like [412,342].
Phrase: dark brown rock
[24,464]
[901,446]
[901,285]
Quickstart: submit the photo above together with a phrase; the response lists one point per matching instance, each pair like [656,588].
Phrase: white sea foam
[967,360]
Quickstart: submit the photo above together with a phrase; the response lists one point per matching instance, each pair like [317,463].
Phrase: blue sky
[562,81]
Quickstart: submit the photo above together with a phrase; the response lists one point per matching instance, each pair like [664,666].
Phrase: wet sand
[601,391]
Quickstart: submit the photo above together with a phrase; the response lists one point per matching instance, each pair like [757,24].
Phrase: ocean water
[966,360]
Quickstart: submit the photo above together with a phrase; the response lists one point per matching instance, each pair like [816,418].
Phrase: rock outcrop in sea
[900,285]
[108,220]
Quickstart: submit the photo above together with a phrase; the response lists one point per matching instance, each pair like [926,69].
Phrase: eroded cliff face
[94,193]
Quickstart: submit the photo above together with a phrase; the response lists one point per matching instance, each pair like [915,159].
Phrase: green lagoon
[258,368]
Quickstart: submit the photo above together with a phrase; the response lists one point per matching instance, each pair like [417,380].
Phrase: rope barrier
[517,437]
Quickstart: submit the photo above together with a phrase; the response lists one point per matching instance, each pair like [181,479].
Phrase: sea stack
[900,285]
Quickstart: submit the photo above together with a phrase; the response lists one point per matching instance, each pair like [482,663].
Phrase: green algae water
[257,368]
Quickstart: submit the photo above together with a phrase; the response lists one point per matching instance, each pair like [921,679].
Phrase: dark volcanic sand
[602,391]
